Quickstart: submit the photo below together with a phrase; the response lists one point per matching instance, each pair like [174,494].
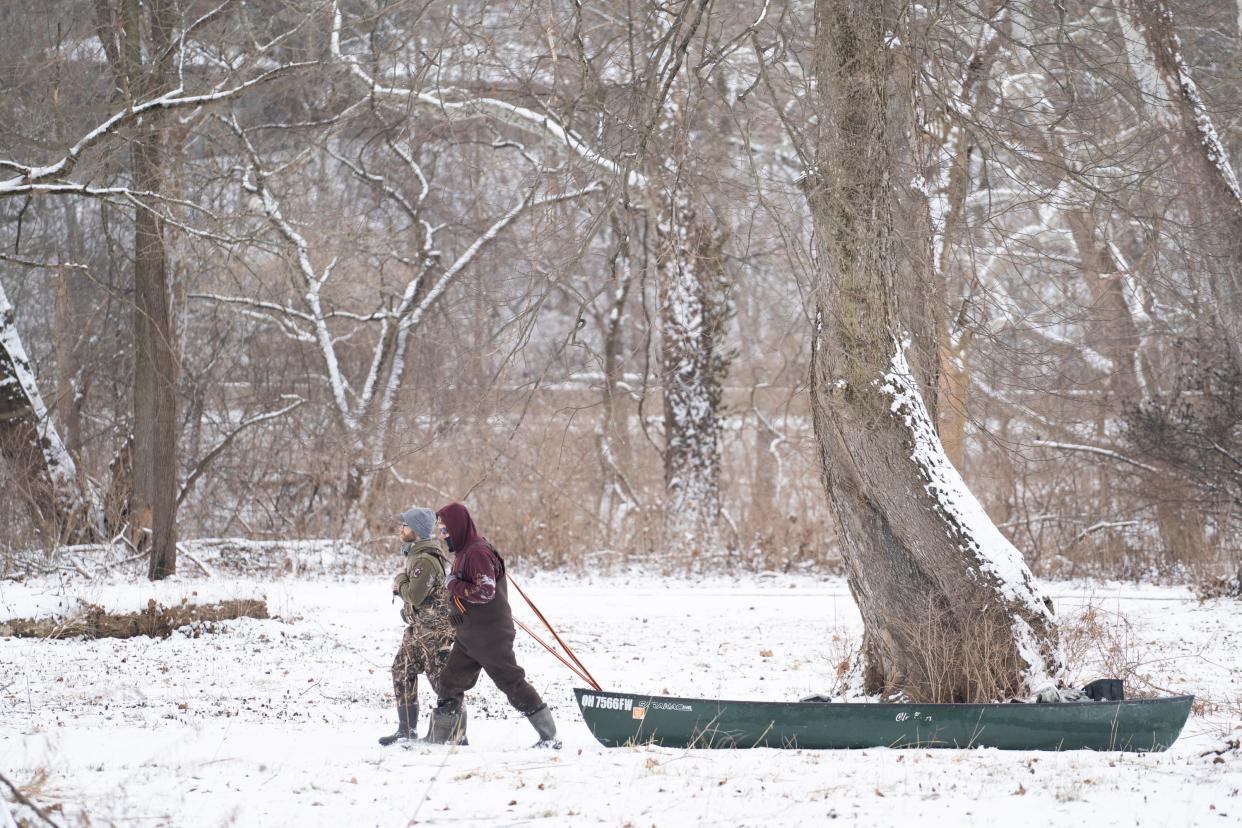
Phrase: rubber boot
[541,720]
[448,727]
[407,721]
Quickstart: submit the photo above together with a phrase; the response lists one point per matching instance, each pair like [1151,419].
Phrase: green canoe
[618,719]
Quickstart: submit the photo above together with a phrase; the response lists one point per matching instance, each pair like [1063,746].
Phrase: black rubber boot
[541,720]
[448,727]
[407,721]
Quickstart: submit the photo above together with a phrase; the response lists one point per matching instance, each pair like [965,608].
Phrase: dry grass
[25,795]
[963,654]
[1103,644]
[969,657]
[1219,586]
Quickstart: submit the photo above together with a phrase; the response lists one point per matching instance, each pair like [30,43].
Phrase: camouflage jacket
[421,584]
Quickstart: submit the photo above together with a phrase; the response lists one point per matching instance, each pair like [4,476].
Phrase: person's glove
[399,580]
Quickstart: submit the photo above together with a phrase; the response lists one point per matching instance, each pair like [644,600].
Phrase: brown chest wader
[485,644]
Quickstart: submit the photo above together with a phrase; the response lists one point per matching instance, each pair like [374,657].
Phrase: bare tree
[138,41]
[920,551]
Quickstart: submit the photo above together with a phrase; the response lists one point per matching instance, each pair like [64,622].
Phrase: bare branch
[489,107]
[32,177]
[1103,452]
[201,466]
[34,265]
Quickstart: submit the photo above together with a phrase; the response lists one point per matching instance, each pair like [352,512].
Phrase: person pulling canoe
[483,623]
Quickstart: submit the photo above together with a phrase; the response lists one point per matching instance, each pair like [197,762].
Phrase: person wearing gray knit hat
[428,635]
[421,520]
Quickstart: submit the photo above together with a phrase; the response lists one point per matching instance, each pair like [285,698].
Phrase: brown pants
[494,655]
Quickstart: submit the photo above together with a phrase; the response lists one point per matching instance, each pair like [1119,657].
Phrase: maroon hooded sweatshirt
[476,567]
[483,629]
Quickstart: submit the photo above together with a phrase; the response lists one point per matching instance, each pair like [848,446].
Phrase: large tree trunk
[950,610]
[38,464]
[694,307]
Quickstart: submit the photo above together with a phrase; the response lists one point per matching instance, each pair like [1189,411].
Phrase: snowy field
[274,722]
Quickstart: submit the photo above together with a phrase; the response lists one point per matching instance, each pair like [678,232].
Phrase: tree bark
[141,57]
[155,375]
[950,610]
[694,307]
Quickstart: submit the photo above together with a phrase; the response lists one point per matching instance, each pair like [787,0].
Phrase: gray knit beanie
[422,521]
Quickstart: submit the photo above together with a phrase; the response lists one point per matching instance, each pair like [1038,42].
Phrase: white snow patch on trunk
[971,527]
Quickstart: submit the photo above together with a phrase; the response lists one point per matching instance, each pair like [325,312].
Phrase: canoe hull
[1138,725]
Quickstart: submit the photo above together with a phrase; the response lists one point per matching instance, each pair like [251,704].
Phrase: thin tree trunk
[953,160]
[953,394]
[616,498]
[950,610]
[1114,333]
[155,374]
[66,322]
[140,54]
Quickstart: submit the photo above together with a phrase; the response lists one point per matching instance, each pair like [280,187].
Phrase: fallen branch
[155,621]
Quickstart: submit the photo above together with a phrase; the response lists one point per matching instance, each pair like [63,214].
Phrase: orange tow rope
[559,657]
[577,668]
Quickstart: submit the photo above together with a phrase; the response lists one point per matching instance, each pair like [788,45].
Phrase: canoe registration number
[607,702]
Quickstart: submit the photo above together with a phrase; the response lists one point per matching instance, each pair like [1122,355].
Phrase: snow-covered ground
[271,723]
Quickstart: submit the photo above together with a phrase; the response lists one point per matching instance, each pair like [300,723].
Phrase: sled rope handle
[582,672]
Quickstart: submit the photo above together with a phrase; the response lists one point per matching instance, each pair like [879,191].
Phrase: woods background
[281,269]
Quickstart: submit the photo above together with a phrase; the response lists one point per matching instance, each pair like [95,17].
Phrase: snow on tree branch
[488,236]
[26,410]
[489,107]
[1103,452]
[46,178]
